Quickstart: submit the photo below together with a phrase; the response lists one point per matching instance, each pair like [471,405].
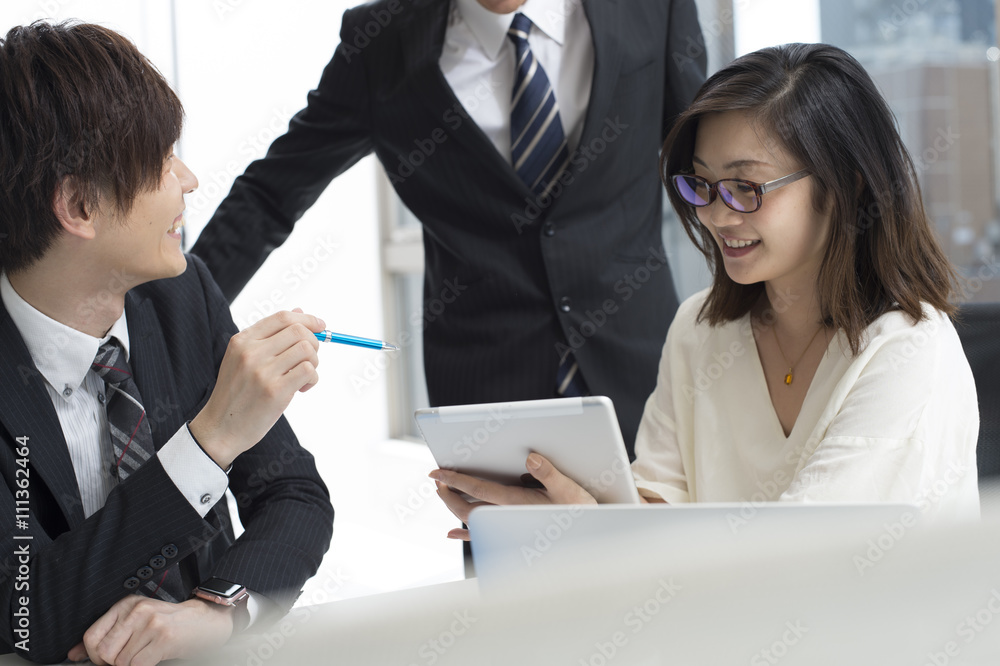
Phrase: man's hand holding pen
[264,366]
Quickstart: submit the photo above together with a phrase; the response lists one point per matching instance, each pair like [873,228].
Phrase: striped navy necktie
[539,151]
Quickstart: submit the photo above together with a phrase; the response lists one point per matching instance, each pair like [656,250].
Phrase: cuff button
[132,583]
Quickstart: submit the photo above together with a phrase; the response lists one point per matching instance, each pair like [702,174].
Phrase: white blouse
[897,423]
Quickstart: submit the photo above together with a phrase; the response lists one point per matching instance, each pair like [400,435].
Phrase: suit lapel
[605,26]
[28,412]
[150,361]
[423,40]
[27,408]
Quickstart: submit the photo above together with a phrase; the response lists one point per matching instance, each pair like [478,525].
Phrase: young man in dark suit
[129,402]
[525,137]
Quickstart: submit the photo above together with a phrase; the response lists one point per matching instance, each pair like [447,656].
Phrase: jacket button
[132,583]
[549,229]
[158,562]
[565,304]
[169,551]
[144,573]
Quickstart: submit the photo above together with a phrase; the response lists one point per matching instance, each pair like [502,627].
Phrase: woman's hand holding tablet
[557,488]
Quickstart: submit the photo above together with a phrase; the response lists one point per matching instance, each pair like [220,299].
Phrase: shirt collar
[63,355]
[490,29]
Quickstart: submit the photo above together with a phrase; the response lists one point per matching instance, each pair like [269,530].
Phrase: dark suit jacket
[178,330]
[509,281]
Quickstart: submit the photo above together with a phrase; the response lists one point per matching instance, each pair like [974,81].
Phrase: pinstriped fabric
[537,141]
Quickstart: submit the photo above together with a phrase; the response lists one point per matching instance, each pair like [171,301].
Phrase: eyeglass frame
[760,189]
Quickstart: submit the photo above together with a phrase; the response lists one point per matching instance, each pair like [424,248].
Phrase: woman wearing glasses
[821,365]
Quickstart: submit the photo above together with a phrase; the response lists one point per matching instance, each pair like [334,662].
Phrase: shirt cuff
[196,475]
[253,609]
[667,493]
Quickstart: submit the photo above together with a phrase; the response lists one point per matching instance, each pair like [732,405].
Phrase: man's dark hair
[76,100]
[823,108]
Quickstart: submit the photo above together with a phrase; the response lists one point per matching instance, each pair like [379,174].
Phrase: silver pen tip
[387,347]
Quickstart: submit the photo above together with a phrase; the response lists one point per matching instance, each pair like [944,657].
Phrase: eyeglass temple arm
[781,182]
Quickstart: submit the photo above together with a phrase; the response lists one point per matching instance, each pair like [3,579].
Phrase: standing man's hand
[139,631]
[264,366]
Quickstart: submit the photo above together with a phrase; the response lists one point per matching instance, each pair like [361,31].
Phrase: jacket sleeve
[327,137]
[70,581]
[283,503]
[687,61]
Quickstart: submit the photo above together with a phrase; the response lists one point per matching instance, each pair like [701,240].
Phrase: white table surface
[933,597]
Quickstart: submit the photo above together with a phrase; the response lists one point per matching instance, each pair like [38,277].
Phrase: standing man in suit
[129,403]
[524,135]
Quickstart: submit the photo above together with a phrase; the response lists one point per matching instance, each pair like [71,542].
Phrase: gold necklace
[788,377]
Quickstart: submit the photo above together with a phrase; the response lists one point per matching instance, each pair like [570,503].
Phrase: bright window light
[761,23]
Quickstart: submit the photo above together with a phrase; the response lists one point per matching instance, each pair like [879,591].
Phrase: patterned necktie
[538,144]
[539,152]
[131,438]
[569,381]
[132,443]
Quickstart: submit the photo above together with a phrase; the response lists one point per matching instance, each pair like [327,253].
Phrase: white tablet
[492,441]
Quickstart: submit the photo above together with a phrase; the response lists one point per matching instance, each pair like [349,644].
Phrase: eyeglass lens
[736,194]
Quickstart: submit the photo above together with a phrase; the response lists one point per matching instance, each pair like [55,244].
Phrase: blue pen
[330,336]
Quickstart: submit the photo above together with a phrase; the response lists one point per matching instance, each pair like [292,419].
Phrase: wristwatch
[224,593]
[221,592]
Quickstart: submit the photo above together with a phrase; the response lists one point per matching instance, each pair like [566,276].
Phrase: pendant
[788,377]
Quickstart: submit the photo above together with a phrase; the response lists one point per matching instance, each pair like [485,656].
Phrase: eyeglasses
[743,196]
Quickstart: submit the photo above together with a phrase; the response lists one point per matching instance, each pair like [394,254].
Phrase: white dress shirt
[897,423]
[63,357]
[478,61]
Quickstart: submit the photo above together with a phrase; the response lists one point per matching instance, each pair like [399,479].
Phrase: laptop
[730,584]
[540,547]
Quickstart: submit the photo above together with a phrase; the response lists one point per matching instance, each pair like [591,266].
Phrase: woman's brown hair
[820,104]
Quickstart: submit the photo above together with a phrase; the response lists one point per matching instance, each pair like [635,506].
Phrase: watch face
[223,588]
